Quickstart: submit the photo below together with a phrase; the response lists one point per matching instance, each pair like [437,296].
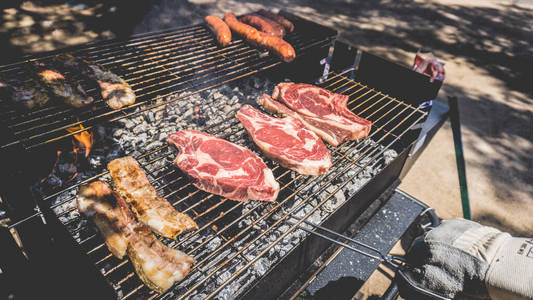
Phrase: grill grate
[161,68]
[225,247]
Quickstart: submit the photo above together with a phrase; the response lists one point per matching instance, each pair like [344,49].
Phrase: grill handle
[396,263]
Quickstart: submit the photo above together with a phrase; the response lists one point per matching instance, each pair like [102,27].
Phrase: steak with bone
[158,266]
[132,184]
[324,112]
[223,168]
[286,141]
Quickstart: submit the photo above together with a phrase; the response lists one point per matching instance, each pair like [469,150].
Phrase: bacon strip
[132,184]
[158,266]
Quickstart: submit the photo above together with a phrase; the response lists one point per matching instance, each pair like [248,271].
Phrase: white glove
[462,258]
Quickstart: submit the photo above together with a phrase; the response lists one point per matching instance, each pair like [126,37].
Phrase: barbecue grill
[252,250]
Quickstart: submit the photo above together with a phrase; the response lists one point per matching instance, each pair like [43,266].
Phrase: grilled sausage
[278,29]
[219,29]
[277,18]
[274,44]
[261,24]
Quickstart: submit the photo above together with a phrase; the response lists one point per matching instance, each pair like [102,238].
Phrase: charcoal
[148,130]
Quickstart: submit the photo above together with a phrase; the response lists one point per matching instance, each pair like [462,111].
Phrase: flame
[84,138]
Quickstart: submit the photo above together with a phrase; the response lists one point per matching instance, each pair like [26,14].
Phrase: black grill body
[59,267]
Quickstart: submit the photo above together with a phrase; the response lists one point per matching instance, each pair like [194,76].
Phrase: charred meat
[115,91]
[29,93]
[70,92]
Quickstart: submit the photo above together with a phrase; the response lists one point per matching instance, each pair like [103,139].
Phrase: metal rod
[459,156]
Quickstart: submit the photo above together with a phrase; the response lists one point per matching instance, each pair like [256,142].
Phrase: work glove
[461,259]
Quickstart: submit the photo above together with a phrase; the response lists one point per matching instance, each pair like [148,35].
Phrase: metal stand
[461,168]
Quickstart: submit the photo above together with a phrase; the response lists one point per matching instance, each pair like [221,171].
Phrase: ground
[487,47]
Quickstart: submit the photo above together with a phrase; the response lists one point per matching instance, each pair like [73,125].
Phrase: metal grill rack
[240,247]
[161,68]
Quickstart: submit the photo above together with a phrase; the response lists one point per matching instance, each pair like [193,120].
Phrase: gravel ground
[486,46]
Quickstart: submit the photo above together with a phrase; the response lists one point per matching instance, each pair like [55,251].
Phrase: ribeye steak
[223,168]
[286,141]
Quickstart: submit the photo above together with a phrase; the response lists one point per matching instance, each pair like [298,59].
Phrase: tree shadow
[38,26]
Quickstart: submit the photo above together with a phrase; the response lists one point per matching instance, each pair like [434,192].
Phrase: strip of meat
[115,91]
[275,45]
[28,93]
[158,266]
[323,107]
[220,29]
[277,18]
[263,24]
[132,184]
[96,200]
[223,168]
[69,92]
[286,141]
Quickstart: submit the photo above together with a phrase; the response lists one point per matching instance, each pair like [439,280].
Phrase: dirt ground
[486,45]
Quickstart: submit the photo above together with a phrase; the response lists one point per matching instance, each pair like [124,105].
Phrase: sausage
[263,24]
[219,29]
[274,44]
[277,18]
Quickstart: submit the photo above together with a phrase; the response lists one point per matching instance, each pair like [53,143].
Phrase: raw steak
[324,112]
[223,168]
[286,141]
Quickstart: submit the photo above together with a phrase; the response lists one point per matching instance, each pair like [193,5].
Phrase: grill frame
[366,95]
[306,250]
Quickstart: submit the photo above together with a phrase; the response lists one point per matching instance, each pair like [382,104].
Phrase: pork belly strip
[156,212]
[223,168]
[326,110]
[96,201]
[286,141]
[115,91]
[158,266]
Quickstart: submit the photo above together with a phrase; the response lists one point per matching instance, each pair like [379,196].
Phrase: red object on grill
[286,141]
[223,168]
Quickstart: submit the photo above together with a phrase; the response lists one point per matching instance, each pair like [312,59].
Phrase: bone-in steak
[223,168]
[286,141]
[324,112]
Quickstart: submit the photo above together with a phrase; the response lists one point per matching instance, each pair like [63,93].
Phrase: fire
[85,139]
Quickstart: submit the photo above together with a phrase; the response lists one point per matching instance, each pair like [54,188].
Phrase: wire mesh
[235,238]
[158,67]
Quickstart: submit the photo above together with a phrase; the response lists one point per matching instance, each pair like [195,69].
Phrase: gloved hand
[463,259]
